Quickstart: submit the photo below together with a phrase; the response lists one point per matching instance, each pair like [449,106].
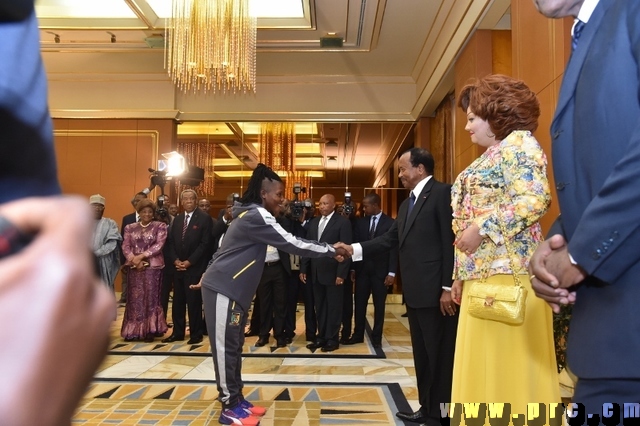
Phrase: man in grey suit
[326,276]
[424,238]
[592,258]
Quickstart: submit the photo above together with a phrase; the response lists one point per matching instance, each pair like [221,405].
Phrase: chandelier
[211,46]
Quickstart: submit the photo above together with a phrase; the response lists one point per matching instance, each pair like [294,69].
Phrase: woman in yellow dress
[497,202]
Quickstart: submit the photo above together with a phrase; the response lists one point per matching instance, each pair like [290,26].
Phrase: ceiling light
[211,46]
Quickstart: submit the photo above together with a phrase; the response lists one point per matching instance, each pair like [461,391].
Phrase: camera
[236,197]
[347,208]
[297,206]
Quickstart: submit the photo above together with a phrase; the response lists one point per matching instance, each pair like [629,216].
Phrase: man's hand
[545,263]
[51,285]
[343,249]
[303,278]
[389,280]
[339,281]
[447,307]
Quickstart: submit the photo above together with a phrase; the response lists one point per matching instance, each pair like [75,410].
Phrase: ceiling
[105,60]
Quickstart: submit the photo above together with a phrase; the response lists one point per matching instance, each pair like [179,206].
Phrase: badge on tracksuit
[235,318]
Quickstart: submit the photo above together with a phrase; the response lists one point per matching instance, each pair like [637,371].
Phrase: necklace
[144,226]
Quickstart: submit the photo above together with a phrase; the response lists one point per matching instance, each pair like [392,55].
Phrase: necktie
[323,223]
[412,201]
[577,31]
[186,225]
[372,230]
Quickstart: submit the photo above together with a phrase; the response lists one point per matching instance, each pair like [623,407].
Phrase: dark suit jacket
[325,270]
[596,158]
[194,246]
[425,245]
[383,263]
[126,220]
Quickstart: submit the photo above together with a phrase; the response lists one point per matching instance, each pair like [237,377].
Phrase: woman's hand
[469,240]
[456,291]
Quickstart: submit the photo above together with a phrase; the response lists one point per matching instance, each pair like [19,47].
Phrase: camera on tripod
[297,206]
[347,208]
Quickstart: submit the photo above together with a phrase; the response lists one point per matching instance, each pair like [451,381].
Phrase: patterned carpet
[178,402]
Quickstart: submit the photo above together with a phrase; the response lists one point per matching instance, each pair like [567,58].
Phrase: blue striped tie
[412,202]
[577,31]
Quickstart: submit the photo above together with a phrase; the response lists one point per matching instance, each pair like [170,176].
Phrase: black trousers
[192,299]
[167,286]
[433,339]
[328,300]
[347,308]
[272,293]
[225,322]
[368,283]
[296,287]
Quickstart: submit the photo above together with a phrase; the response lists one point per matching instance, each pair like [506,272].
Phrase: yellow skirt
[501,363]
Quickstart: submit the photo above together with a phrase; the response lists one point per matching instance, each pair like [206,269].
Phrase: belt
[275,262]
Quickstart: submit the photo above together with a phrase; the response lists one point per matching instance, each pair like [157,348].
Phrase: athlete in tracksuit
[229,284]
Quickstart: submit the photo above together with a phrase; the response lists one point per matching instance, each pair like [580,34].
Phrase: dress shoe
[172,338]
[262,341]
[170,324]
[315,345]
[330,347]
[416,417]
[353,341]
[149,338]
[250,333]
[129,339]
[289,339]
[406,314]
[344,340]
[194,341]
[282,343]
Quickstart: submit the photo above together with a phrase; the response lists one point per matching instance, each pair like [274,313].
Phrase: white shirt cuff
[392,274]
[446,288]
[357,252]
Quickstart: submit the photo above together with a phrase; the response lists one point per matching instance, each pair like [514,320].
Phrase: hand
[344,249]
[559,264]
[339,281]
[303,278]
[543,281]
[52,287]
[447,307]
[469,240]
[196,286]
[186,264]
[456,291]
[389,280]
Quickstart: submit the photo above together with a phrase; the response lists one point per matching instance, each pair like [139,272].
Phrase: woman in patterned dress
[497,202]
[142,247]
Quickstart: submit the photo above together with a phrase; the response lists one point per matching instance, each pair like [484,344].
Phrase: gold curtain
[200,155]
[442,140]
[277,146]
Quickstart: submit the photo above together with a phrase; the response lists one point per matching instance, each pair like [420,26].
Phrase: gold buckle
[488,301]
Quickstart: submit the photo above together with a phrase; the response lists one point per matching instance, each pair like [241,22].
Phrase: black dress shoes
[344,340]
[330,347]
[315,345]
[262,341]
[281,343]
[353,341]
[172,338]
[417,417]
[194,341]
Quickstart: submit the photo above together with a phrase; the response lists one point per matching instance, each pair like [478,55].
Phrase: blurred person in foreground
[497,202]
[50,285]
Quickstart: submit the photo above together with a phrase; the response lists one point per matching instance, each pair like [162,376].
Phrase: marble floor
[174,384]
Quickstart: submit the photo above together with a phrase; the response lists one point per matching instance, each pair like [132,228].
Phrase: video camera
[297,206]
[347,208]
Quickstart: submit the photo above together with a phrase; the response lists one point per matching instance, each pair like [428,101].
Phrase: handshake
[343,251]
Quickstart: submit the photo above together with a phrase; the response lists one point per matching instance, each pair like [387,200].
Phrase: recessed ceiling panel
[83,9]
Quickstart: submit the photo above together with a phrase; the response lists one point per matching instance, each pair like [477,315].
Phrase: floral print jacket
[504,192]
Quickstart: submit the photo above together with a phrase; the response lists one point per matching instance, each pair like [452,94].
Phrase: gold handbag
[498,302]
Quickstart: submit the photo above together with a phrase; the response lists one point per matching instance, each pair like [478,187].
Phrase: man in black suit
[326,276]
[422,233]
[187,244]
[128,220]
[373,275]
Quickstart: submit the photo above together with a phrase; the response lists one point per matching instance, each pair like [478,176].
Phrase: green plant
[560,333]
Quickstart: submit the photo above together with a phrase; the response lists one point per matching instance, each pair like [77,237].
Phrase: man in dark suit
[187,244]
[422,233]
[326,276]
[592,258]
[128,220]
[373,275]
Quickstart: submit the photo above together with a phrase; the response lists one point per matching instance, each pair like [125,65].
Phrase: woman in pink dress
[142,247]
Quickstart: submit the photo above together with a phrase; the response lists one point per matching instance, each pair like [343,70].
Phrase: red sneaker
[254,410]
